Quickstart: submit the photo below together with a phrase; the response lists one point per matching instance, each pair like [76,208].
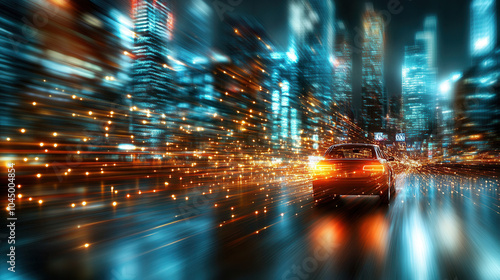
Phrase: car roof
[355,144]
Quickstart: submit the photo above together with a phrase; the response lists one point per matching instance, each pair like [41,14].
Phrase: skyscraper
[244,83]
[193,38]
[428,38]
[312,38]
[415,93]
[483,28]
[311,25]
[419,90]
[151,76]
[343,69]
[284,117]
[193,59]
[373,93]
[476,96]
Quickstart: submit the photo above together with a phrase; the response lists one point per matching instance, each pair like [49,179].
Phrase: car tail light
[323,170]
[374,168]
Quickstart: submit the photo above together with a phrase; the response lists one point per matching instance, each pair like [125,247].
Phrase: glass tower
[343,69]
[419,89]
[151,75]
[373,86]
[151,82]
[483,30]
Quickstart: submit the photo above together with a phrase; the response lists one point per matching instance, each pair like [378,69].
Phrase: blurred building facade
[476,107]
[244,83]
[343,69]
[419,86]
[373,91]
[152,75]
[311,31]
[483,29]
[284,114]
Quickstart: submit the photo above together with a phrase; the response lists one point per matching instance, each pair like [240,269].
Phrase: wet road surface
[437,227]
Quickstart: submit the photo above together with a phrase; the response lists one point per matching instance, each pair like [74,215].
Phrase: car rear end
[363,174]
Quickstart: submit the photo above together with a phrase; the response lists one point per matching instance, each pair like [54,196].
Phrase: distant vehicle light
[126,147]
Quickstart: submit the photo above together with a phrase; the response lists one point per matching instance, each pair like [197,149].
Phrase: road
[439,226]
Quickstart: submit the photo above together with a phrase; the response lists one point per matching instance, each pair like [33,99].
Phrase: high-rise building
[151,76]
[193,59]
[419,89]
[343,69]
[284,117]
[193,37]
[311,24]
[428,38]
[483,28]
[312,39]
[151,83]
[373,93]
[244,84]
[415,95]
[475,106]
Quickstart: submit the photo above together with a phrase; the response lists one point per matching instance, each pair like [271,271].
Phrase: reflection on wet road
[437,227]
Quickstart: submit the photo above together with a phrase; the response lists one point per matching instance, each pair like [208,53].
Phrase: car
[354,169]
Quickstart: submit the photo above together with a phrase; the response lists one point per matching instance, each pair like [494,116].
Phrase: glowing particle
[40,201]
[38,175]
[114,203]
[87,245]
[84,203]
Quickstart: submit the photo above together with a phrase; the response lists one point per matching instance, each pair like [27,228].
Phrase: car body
[354,169]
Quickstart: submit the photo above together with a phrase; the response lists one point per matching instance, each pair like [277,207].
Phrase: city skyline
[452,55]
[238,139]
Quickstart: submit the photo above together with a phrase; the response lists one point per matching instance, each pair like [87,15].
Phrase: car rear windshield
[350,152]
